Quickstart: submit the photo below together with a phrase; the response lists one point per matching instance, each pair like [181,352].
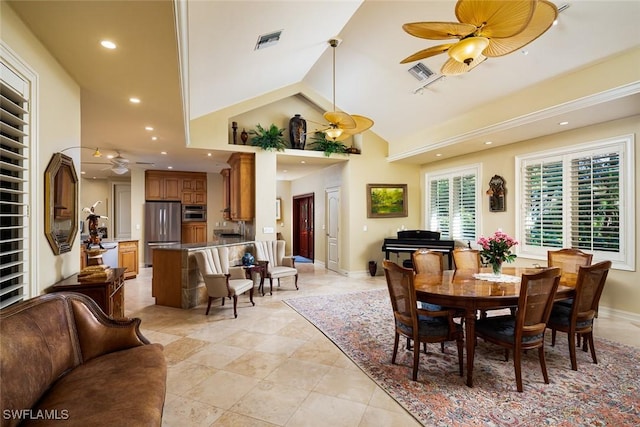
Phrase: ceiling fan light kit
[120,170]
[486,29]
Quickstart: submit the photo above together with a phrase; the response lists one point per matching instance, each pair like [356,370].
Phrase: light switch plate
[267,230]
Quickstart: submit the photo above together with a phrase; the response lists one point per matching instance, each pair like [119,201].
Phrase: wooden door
[303,225]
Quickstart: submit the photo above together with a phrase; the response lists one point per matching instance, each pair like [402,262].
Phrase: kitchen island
[176,280]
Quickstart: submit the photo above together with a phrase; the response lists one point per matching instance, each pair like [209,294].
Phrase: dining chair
[422,326]
[524,330]
[467,260]
[577,320]
[568,260]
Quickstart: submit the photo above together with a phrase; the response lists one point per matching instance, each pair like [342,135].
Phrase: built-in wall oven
[194,213]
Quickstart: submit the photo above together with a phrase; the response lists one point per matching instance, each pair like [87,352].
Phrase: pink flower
[497,248]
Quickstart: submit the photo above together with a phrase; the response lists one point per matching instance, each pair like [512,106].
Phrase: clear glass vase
[496,266]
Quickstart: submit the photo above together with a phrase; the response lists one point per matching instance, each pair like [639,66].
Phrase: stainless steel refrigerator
[162,226]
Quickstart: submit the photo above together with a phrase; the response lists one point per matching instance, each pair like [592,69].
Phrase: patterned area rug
[361,325]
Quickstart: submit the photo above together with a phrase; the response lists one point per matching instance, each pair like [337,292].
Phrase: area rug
[607,393]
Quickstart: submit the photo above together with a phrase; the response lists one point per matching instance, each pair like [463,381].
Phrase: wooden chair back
[467,260]
[537,292]
[427,261]
[569,261]
[589,286]
[402,293]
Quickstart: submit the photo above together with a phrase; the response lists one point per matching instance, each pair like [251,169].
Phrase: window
[579,197]
[14,184]
[452,203]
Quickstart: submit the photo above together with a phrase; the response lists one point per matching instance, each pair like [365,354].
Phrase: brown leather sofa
[64,362]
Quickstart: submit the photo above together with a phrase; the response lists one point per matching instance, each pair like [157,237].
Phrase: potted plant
[268,139]
[320,142]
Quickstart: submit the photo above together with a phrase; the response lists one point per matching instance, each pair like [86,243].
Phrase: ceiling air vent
[420,71]
[267,40]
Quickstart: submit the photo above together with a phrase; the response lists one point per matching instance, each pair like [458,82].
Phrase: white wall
[57,126]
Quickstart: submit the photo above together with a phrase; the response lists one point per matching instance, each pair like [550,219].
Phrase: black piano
[408,241]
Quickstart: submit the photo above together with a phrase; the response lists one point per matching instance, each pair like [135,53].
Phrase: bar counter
[176,280]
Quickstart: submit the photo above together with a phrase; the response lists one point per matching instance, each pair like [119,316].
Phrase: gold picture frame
[387,200]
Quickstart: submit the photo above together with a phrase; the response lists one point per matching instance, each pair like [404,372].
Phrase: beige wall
[622,292]
[57,115]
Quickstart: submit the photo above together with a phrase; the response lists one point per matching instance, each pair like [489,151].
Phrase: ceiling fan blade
[439,30]
[496,18]
[543,18]
[340,119]
[427,53]
[362,123]
[455,68]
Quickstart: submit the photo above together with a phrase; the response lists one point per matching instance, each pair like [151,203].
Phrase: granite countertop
[223,241]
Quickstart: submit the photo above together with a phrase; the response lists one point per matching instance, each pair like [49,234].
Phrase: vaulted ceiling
[222,69]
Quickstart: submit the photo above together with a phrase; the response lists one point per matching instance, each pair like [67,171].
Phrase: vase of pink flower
[496,250]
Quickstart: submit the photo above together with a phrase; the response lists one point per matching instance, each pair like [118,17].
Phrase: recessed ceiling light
[154,138]
[169,167]
[303,162]
[149,128]
[439,155]
[108,44]
[134,100]
[209,154]
[285,171]
[563,123]
[163,152]
[82,172]
[488,142]
[110,156]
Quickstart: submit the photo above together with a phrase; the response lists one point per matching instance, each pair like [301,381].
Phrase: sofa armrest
[98,334]
[289,261]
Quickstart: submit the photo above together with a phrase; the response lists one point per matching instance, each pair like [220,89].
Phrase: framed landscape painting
[386,200]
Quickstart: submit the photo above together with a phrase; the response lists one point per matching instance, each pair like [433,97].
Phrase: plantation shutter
[464,207]
[14,187]
[440,209]
[595,202]
[543,204]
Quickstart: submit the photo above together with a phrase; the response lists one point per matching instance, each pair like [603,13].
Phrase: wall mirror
[61,203]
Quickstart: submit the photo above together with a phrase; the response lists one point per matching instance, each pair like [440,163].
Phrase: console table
[108,294]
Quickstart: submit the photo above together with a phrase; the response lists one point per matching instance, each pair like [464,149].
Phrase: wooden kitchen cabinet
[194,232]
[226,194]
[161,185]
[242,187]
[128,258]
[194,189]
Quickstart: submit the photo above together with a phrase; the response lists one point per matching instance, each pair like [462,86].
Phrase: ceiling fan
[342,125]
[119,164]
[486,29]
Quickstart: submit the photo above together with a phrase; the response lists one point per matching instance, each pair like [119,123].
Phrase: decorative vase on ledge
[297,132]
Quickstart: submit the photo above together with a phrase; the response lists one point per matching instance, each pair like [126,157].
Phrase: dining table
[471,292]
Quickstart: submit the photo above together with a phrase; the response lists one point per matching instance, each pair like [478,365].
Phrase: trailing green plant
[268,139]
[320,142]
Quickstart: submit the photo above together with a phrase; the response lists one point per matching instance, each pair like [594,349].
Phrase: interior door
[303,241]
[122,211]
[333,228]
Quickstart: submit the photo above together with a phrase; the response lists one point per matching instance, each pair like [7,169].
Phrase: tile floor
[270,367]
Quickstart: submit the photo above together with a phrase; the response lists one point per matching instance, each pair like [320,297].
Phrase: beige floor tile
[376,417]
[299,373]
[279,345]
[347,384]
[216,355]
[380,399]
[183,376]
[256,364]
[179,411]
[231,419]
[318,350]
[321,410]
[182,349]
[271,402]
[222,389]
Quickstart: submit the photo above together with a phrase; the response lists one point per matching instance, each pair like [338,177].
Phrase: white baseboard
[618,314]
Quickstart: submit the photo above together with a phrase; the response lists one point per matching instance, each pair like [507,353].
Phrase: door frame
[296,221]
